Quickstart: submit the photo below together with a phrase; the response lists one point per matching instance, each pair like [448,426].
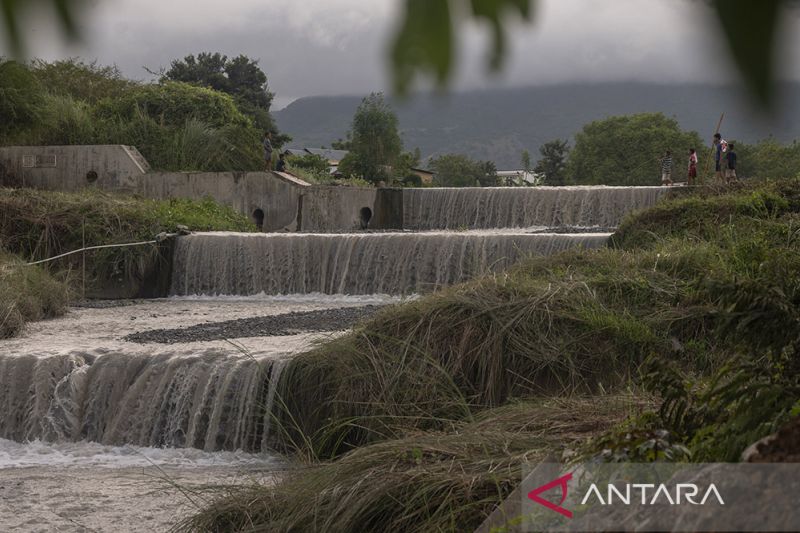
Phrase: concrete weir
[512,207]
[367,263]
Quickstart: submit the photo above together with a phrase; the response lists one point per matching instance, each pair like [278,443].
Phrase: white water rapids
[100,433]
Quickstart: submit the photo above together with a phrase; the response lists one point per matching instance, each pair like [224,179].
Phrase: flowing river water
[117,416]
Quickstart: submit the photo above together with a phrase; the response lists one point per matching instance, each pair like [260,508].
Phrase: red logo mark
[560,482]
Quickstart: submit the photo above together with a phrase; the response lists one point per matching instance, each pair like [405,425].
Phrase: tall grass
[41,224]
[420,419]
[27,294]
[432,481]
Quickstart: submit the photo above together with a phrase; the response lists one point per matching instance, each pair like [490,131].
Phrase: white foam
[91,454]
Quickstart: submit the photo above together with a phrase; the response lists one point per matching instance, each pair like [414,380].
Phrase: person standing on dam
[720,147]
[268,150]
[692,173]
[730,167]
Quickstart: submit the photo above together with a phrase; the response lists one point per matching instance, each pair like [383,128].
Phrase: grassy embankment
[38,224]
[677,342]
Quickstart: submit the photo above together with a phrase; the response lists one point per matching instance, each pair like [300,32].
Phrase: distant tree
[553,162]
[342,144]
[311,162]
[240,77]
[455,170]
[525,160]
[625,150]
[375,144]
[489,177]
[767,159]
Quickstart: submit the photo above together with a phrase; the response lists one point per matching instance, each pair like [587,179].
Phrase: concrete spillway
[212,401]
[383,263]
[523,207]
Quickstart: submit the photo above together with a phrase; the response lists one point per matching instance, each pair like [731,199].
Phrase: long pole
[711,155]
[83,246]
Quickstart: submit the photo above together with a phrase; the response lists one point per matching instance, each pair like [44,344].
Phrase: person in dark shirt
[280,166]
[730,169]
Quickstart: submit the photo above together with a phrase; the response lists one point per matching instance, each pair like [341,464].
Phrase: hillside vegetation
[176,125]
[37,225]
[678,342]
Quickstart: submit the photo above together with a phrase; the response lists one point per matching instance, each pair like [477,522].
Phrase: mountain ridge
[498,124]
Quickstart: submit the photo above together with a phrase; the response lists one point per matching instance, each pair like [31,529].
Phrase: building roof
[328,153]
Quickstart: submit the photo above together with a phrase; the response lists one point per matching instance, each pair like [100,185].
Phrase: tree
[525,160]
[455,170]
[553,162]
[767,159]
[625,150]
[375,144]
[240,77]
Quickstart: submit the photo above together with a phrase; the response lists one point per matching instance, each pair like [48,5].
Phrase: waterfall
[212,400]
[523,207]
[274,380]
[371,263]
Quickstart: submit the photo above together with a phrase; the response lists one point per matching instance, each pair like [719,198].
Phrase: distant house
[519,178]
[299,152]
[425,175]
[333,157]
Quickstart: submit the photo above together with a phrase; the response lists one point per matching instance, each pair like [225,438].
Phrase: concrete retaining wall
[274,195]
[70,168]
[285,202]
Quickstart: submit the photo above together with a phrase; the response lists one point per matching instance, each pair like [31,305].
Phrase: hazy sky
[313,47]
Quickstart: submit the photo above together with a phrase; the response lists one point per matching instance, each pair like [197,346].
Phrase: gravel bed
[293,323]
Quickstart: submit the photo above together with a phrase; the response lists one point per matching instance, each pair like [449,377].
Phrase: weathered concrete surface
[328,209]
[122,169]
[275,195]
[70,168]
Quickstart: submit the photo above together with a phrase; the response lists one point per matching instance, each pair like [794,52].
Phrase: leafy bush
[173,103]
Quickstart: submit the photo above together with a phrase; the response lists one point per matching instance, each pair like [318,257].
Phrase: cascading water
[215,399]
[211,401]
[380,263]
[523,207]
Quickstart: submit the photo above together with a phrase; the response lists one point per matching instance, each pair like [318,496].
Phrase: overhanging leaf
[424,43]
[492,11]
[10,10]
[749,28]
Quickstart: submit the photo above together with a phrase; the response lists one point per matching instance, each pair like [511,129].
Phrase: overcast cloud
[315,47]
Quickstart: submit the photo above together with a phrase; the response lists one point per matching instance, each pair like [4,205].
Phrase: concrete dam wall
[371,263]
[524,207]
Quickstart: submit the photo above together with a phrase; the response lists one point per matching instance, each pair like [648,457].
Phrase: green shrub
[173,103]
